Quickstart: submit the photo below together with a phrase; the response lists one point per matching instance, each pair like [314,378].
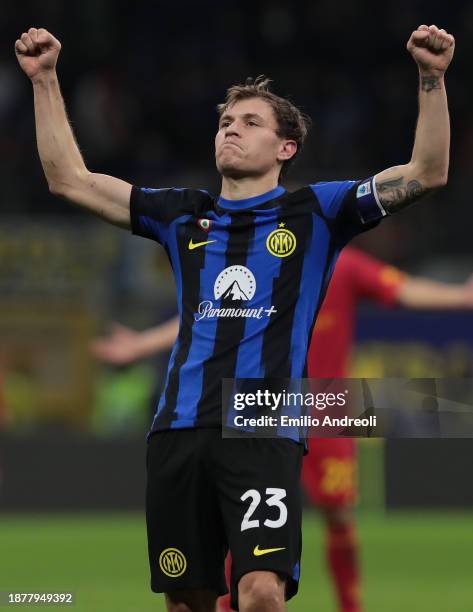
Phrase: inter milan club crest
[281,242]
[172,562]
[204,224]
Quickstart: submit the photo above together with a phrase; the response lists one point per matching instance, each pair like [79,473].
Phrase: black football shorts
[207,494]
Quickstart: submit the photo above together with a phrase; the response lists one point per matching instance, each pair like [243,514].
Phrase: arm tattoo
[395,194]
[429,82]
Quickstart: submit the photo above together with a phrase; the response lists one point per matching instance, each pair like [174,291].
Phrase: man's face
[246,143]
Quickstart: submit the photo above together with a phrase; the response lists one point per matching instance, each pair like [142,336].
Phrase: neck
[247,187]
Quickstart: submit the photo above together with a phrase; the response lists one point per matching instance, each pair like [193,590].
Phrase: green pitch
[418,562]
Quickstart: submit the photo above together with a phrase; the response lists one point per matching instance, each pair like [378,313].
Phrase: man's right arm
[67,175]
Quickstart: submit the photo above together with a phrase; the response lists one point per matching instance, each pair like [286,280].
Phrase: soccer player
[251,269]
[329,470]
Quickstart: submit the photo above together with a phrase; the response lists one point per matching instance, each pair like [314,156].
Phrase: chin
[231,170]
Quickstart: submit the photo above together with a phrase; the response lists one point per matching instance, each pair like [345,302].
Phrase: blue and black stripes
[250,280]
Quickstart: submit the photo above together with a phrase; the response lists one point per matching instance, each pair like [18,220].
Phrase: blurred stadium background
[141,82]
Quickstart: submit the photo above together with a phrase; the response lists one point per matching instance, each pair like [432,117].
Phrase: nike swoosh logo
[194,245]
[264,551]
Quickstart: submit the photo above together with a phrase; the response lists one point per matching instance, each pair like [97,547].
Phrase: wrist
[431,73]
[429,81]
[45,77]
[146,344]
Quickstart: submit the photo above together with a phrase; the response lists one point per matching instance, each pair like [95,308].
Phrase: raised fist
[37,51]
[432,49]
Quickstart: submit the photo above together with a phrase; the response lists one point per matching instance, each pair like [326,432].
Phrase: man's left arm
[397,187]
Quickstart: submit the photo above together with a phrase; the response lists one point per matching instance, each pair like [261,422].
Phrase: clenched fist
[432,49]
[37,51]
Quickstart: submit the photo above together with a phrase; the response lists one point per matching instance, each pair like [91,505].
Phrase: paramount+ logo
[172,562]
[233,287]
[281,242]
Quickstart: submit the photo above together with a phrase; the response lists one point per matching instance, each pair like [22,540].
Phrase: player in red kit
[329,470]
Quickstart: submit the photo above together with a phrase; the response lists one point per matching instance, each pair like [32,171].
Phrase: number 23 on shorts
[274,498]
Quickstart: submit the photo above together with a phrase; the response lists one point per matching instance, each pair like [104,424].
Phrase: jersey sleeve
[153,210]
[371,278]
[353,206]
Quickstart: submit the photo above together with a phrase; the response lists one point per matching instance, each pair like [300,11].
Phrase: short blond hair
[292,123]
